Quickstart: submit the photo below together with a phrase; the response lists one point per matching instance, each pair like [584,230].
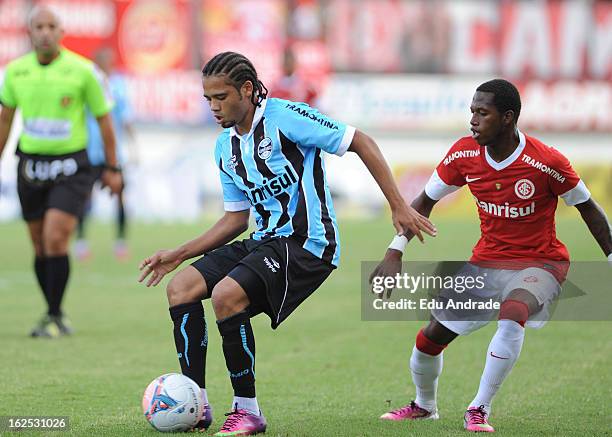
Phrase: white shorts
[497,286]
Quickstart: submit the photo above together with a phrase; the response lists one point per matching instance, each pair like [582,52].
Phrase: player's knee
[55,242]
[174,292]
[437,333]
[227,300]
[186,286]
[179,292]
[221,299]
[516,310]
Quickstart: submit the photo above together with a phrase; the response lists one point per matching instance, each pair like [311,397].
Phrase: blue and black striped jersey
[277,170]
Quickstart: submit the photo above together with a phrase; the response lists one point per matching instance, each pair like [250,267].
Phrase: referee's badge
[66,101]
[264,149]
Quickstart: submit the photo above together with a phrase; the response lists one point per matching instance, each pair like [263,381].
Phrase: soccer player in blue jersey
[270,160]
[122,116]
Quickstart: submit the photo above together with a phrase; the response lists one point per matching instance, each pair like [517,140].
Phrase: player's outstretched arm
[163,262]
[391,264]
[597,222]
[405,218]
[6,120]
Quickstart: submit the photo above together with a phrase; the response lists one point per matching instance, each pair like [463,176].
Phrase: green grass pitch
[324,372]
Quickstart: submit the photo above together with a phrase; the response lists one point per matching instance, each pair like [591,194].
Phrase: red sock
[514,310]
[427,346]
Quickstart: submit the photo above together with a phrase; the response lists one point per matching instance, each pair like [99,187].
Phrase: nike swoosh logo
[469,179]
[501,358]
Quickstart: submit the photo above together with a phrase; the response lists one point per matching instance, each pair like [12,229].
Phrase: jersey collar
[259,112]
[510,159]
[55,60]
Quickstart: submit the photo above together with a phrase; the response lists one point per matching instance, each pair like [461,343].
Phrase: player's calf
[425,366]
[502,354]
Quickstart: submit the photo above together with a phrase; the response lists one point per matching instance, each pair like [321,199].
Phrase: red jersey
[516,198]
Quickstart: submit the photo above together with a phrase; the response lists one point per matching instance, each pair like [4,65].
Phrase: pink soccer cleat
[242,422]
[122,253]
[82,252]
[412,411]
[475,420]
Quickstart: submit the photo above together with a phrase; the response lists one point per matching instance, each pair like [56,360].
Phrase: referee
[52,87]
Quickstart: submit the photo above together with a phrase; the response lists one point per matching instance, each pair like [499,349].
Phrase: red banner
[149,37]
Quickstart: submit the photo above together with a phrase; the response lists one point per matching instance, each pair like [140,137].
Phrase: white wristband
[610,259]
[399,243]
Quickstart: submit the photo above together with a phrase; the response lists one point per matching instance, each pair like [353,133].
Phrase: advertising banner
[153,36]
[441,102]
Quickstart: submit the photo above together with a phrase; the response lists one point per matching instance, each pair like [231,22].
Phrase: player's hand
[112,180]
[158,266]
[390,266]
[406,218]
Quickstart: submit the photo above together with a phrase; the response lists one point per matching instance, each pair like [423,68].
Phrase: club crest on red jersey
[524,189]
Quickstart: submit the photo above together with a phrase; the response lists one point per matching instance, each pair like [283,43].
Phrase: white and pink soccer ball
[172,403]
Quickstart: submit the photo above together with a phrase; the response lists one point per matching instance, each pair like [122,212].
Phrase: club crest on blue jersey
[264,148]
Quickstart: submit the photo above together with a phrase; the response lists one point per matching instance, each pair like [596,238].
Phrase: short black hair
[507,97]
[238,70]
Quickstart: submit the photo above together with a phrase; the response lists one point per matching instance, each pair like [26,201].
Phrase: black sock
[121,222]
[80,234]
[191,340]
[239,351]
[39,268]
[81,223]
[56,274]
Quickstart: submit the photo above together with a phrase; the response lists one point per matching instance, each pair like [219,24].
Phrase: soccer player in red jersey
[515,180]
[292,86]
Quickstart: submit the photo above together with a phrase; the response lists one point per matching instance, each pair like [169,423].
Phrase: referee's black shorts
[62,182]
[277,274]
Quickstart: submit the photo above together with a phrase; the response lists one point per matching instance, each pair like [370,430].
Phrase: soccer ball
[172,403]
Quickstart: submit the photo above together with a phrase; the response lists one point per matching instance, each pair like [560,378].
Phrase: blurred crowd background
[402,70]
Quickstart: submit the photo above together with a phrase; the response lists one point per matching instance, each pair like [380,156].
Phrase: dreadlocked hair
[238,70]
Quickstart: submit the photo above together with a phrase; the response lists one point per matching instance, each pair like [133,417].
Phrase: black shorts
[62,181]
[96,172]
[277,274]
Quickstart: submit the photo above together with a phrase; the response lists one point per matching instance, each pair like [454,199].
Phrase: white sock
[249,404]
[505,344]
[204,395]
[425,370]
